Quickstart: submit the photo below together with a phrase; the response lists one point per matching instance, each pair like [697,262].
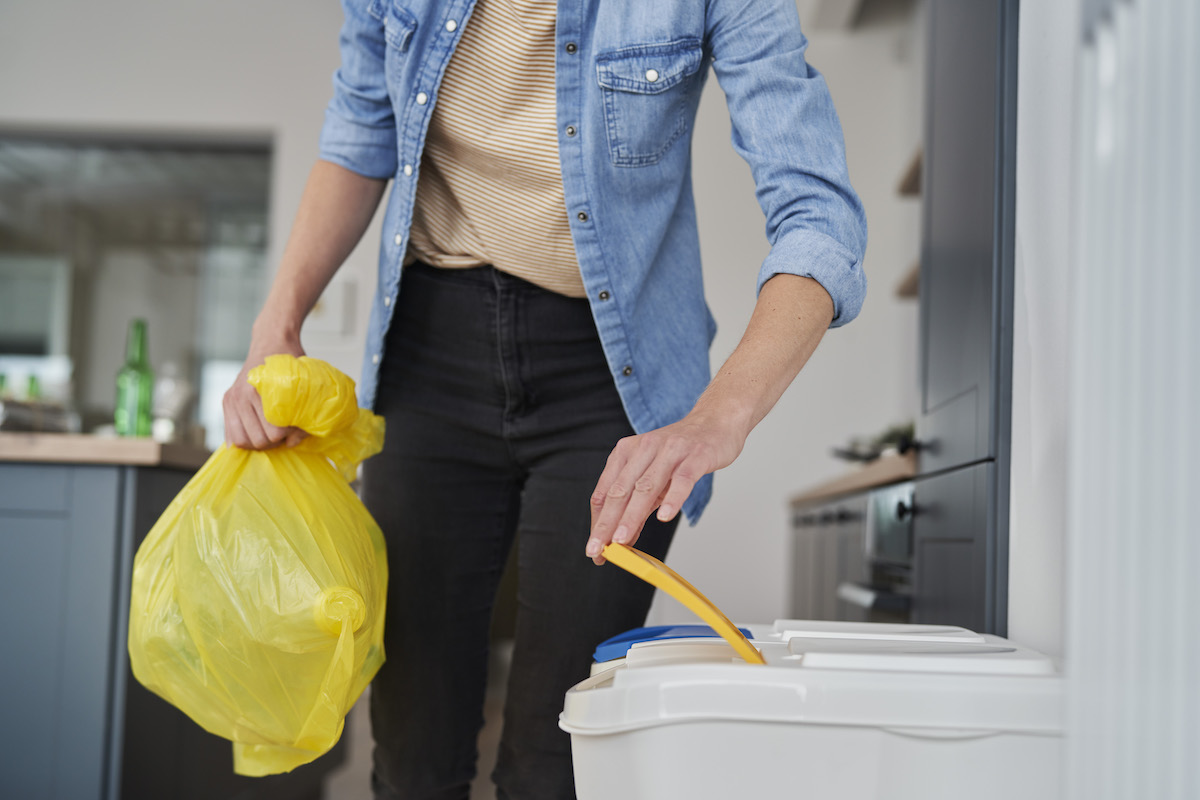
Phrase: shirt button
[652,75]
[398,239]
[387,301]
[451,25]
[375,359]
[582,216]
[605,295]
[572,48]
[570,130]
[408,169]
[422,98]
[626,372]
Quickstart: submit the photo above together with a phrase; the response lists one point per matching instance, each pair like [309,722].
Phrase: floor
[353,780]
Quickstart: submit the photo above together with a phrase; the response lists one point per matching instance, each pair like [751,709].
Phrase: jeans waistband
[482,275]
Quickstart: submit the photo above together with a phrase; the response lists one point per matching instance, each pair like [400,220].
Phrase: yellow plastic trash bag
[258,596]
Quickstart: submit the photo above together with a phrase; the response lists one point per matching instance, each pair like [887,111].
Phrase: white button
[398,239]
[375,358]
[451,25]
[422,98]
[652,75]
[408,169]
[387,301]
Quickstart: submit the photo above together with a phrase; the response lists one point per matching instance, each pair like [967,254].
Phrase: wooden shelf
[908,285]
[910,182]
[880,472]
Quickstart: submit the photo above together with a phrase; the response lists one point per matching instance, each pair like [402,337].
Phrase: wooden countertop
[880,472]
[71,448]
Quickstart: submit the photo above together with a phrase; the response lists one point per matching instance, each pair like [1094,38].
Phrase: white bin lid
[923,677]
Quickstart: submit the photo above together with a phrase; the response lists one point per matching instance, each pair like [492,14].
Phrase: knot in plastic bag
[310,394]
[340,607]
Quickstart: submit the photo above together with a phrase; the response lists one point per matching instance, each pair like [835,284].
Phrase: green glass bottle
[135,385]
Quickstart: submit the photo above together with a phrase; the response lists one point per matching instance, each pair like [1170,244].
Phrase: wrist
[731,416]
[276,330]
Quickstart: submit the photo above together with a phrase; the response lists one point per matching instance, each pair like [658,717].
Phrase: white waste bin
[845,711]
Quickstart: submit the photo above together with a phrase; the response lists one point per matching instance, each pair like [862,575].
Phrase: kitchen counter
[880,472]
[68,448]
[835,571]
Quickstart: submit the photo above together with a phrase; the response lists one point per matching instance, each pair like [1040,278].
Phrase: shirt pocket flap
[649,68]
[398,22]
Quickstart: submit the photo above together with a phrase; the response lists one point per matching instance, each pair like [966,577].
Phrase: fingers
[245,425]
[271,435]
[235,432]
[294,437]
[607,486]
[655,470]
[682,482]
[616,460]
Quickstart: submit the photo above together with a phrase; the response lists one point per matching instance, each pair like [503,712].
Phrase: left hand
[656,469]
[659,468]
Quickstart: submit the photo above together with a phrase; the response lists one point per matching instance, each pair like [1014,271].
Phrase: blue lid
[619,645]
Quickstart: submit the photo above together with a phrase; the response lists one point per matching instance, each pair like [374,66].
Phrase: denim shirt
[629,74]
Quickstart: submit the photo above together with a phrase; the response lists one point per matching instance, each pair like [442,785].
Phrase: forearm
[789,320]
[660,468]
[335,210]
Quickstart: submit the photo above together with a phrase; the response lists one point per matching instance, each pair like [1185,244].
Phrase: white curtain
[1133,543]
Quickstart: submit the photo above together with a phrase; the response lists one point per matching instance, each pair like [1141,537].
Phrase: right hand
[245,425]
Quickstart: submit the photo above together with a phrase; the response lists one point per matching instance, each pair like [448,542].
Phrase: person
[538,341]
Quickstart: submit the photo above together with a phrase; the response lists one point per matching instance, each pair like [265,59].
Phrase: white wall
[262,69]
[1045,153]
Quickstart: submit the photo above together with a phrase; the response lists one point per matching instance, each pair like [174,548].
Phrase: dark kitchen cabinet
[966,264]
[58,578]
[852,545]
[76,725]
[966,287]
[958,577]
[959,529]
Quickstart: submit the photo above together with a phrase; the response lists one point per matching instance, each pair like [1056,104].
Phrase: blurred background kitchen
[152,157]
[1029,325]
[151,170]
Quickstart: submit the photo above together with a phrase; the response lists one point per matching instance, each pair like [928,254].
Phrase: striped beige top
[491,188]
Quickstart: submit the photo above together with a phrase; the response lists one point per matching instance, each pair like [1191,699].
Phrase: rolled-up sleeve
[785,127]
[359,132]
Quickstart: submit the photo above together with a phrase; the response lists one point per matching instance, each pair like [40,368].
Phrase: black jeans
[501,412]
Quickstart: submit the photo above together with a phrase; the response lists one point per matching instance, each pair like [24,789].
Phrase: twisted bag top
[312,395]
[258,597]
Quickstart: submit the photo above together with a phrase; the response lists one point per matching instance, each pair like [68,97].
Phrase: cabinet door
[958,575]
[161,752]
[815,563]
[58,570]
[804,595]
[852,558]
[966,262]
[828,550]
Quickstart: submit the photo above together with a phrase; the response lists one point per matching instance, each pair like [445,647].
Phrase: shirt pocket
[645,90]
[398,27]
